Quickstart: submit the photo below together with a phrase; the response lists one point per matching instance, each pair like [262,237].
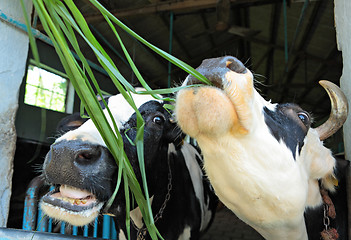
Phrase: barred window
[47,90]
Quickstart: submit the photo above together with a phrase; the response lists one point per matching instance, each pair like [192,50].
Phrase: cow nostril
[87,156]
[235,65]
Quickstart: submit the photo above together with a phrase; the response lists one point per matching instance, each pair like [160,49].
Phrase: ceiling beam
[172,5]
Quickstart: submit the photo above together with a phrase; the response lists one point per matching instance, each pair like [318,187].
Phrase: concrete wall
[13,49]
[343,36]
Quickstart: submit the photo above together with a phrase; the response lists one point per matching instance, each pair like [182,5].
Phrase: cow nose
[234,64]
[78,152]
[221,64]
[214,69]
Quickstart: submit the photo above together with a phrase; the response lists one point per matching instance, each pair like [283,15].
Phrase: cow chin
[75,206]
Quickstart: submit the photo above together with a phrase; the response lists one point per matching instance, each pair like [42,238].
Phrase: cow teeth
[75,201]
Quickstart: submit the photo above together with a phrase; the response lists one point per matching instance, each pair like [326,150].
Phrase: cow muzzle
[78,171]
[224,106]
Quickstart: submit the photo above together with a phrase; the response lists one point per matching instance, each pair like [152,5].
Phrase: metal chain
[168,195]
[326,220]
[142,231]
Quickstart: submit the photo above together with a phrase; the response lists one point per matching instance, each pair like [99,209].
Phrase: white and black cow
[264,160]
[84,173]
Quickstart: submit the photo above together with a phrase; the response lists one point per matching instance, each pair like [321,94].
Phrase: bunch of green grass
[61,20]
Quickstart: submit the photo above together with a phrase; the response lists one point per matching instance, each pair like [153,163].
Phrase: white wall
[13,55]
[343,35]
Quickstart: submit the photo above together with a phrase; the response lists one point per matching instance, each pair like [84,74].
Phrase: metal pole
[171,20]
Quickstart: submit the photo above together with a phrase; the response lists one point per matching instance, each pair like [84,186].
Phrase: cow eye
[305,119]
[158,120]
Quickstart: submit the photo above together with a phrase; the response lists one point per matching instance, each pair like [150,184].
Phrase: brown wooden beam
[172,5]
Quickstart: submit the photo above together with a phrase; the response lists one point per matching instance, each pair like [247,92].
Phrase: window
[48,90]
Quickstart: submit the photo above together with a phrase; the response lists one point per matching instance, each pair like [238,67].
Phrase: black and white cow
[85,174]
[264,160]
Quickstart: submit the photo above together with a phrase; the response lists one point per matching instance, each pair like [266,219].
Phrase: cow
[264,160]
[84,174]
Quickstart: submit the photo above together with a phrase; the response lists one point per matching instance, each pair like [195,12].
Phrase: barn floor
[227,226]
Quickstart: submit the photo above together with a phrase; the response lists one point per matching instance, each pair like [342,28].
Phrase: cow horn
[339,110]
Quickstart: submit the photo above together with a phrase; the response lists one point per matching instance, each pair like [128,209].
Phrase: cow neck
[141,232]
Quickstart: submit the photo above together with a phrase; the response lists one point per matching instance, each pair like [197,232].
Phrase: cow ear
[69,123]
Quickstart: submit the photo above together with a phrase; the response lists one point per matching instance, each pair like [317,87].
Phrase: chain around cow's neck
[142,231]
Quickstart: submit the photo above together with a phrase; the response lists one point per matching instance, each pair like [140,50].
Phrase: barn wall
[343,35]
[13,49]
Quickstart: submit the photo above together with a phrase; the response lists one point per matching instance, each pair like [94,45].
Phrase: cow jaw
[75,206]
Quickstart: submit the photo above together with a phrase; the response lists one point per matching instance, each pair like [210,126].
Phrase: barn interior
[289,45]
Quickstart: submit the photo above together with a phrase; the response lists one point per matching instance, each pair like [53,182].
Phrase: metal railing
[35,220]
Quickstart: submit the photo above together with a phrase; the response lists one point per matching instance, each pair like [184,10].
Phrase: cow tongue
[72,192]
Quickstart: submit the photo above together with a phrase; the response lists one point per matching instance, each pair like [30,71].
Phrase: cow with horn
[264,160]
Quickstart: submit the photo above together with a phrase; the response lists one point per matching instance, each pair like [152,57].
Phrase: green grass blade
[162,53]
[32,42]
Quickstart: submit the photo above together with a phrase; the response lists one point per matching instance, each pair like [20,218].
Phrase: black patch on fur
[285,126]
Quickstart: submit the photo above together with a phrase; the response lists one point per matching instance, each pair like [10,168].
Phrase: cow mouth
[75,206]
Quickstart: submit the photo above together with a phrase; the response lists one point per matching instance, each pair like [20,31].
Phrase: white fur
[265,194]
[137,216]
[190,154]
[121,235]
[121,112]
[186,234]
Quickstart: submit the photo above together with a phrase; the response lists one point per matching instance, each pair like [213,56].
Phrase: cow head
[84,172]
[263,159]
